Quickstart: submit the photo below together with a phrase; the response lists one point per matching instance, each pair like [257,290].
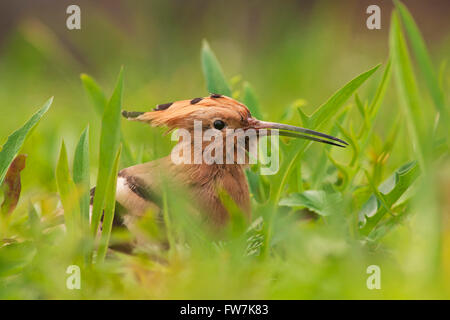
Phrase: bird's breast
[224,179]
[139,188]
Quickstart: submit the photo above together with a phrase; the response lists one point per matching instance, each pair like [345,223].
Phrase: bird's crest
[180,114]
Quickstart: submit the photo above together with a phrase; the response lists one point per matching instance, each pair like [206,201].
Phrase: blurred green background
[287,50]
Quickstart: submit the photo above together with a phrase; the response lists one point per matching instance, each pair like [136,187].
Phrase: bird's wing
[137,192]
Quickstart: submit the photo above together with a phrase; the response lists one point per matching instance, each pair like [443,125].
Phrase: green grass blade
[352,141]
[375,105]
[237,223]
[391,190]
[424,61]
[95,93]
[109,144]
[99,100]
[67,191]
[321,202]
[332,106]
[319,172]
[407,87]
[249,99]
[81,175]
[17,138]
[15,258]
[361,106]
[110,204]
[215,79]
[381,91]
[428,221]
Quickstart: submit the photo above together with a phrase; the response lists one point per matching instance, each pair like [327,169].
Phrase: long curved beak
[296,132]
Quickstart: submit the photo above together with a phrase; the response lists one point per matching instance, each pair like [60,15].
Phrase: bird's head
[220,112]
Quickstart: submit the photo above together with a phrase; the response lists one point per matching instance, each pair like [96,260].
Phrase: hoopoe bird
[139,186]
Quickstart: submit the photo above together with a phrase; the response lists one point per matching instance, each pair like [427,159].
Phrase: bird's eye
[219,124]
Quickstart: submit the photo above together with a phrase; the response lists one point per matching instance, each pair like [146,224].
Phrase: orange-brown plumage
[181,114]
[203,181]
[138,185]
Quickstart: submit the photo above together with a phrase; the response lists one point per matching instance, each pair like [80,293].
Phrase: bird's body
[139,188]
